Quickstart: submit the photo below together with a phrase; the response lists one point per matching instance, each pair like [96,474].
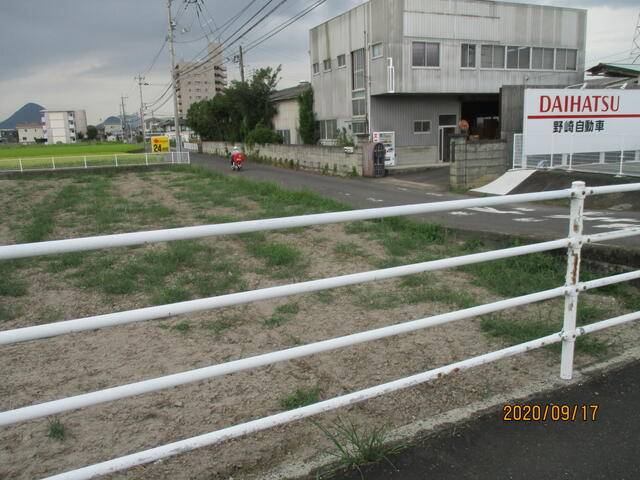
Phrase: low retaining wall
[327,160]
[476,162]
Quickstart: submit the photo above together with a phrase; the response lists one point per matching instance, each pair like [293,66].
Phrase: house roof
[616,70]
[290,93]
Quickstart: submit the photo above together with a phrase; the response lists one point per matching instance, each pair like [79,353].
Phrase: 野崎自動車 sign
[581,121]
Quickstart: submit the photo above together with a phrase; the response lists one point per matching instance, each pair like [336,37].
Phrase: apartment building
[29,132]
[418,67]
[196,84]
[63,126]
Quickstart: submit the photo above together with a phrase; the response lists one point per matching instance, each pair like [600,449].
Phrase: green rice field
[20,151]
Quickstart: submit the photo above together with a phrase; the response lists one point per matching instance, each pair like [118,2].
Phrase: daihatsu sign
[581,121]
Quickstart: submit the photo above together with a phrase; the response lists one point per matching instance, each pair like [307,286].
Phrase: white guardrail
[74,162]
[570,291]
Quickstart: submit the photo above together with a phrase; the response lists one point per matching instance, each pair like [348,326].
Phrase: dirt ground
[39,371]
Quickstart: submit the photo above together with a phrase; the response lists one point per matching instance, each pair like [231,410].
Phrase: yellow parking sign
[159,144]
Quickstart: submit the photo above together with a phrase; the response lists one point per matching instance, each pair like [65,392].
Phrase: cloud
[86,53]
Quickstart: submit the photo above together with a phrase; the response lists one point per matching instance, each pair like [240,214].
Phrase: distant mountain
[112,120]
[30,113]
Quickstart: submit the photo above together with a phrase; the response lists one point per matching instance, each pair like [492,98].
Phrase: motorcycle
[237,161]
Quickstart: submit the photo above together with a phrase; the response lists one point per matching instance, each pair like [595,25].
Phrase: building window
[468,58]
[425,54]
[328,129]
[492,56]
[542,58]
[519,57]
[566,59]
[422,126]
[327,65]
[359,106]
[342,61]
[376,51]
[359,128]
[357,67]
[316,68]
[286,136]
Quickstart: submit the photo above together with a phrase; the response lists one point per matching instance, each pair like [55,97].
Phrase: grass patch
[10,286]
[349,250]
[56,430]
[519,330]
[355,447]
[281,260]
[520,275]
[8,313]
[401,237]
[301,398]
[25,151]
[219,326]
[282,315]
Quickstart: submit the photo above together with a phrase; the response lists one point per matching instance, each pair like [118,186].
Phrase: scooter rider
[234,153]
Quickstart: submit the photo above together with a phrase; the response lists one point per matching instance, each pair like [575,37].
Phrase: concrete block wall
[476,162]
[328,160]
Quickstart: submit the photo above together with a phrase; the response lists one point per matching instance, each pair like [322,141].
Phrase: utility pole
[140,79]
[124,116]
[241,62]
[635,50]
[174,75]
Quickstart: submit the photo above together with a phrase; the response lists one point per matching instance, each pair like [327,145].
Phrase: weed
[325,297]
[49,315]
[349,250]
[173,294]
[10,286]
[356,447]
[8,312]
[281,315]
[66,261]
[301,398]
[182,327]
[221,325]
[521,330]
[57,431]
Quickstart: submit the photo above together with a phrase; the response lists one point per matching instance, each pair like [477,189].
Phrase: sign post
[160,144]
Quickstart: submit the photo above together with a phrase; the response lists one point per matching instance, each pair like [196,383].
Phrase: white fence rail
[570,332]
[618,162]
[75,162]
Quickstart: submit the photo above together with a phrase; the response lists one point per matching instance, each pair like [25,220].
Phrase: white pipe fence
[86,162]
[570,332]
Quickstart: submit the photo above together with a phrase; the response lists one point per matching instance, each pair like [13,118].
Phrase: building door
[446,128]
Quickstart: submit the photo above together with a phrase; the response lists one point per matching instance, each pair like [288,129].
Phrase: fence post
[171,157]
[146,159]
[85,162]
[20,163]
[620,173]
[189,158]
[53,162]
[116,156]
[576,228]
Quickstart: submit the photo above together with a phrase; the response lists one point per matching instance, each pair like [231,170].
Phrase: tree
[262,135]
[237,111]
[92,132]
[80,136]
[307,119]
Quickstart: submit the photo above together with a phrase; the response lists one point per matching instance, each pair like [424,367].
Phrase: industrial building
[63,126]
[418,67]
[197,81]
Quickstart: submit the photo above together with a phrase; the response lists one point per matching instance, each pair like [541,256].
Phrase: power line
[227,41]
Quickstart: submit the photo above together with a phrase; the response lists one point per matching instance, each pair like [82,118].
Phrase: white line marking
[494,210]
[461,214]
[370,199]
[525,209]
[529,220]
[616,226]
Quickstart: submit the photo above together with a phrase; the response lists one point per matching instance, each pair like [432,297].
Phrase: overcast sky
[84,54]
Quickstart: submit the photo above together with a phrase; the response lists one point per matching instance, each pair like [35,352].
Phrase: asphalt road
[537,221]
[489,448]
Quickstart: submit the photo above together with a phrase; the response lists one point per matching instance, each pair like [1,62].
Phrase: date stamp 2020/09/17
[550,412]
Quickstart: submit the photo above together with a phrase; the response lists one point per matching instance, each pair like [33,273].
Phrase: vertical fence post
[146,159]
[53,162]
[189,158]
[85,162]
[171,157]
[116,157]
[621,160]
[576,228]
[20,163]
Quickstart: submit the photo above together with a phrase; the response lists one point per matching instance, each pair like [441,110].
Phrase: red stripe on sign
[550,117]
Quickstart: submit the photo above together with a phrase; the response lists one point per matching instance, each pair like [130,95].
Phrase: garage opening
[483,115]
